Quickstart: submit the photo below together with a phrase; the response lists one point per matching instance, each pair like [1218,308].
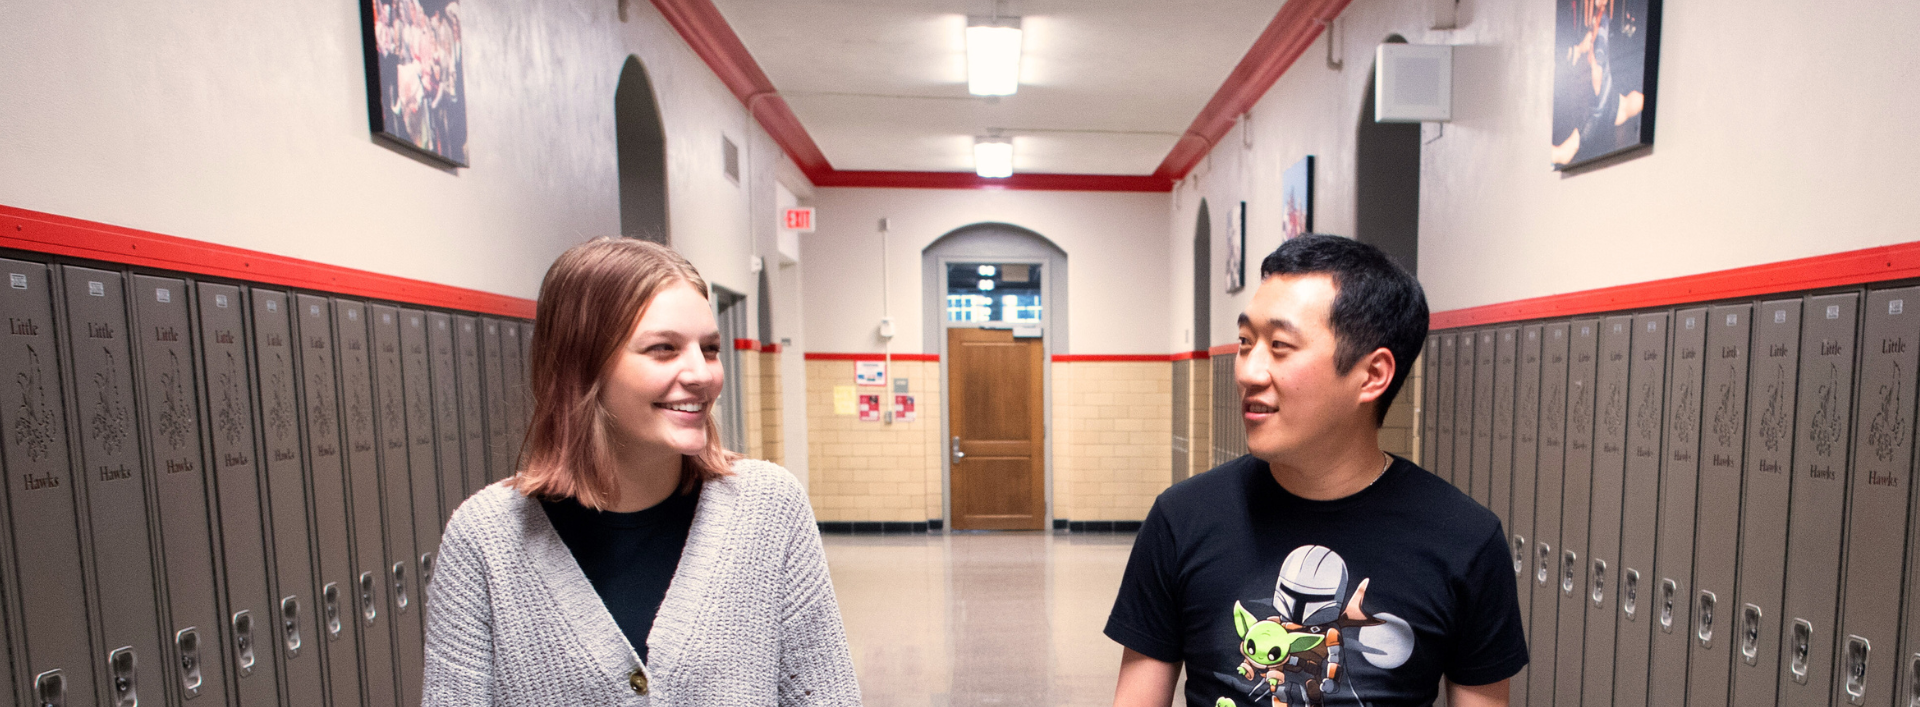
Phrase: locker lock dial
[368,609]
[330,609]
[120,664]
[50,688]
[290,624]
[187,641]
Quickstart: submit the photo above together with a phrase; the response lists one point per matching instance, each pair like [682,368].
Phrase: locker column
[1640,509]
[1549,492]
[364,488]
[334,526]
[1576,494]
[1818,501]
[1611,386]
[1771,395]
[1673,562]
[1717,537]
[477,466]
[392,417]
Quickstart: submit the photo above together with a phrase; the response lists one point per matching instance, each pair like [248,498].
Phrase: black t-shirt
[1259,591]
[629,558]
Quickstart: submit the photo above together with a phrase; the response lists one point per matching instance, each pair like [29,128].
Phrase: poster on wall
[870,372]
[870,408]
[1237,248]
[416,83]
[1296,198]
[1605,53]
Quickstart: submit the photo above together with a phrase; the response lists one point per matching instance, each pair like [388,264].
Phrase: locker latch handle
[400,602]
[1750,620]
[1520,555]
[330,609]
[1913,681]
[1543,563]
[1703,618]
[1630,593]
[1568,561]
[369,610]
[1799,650]
[290,624]
[243,641]
[50,688]
[1599,592]
[426,570]
[121,664]
[1855,685]
[1668,588]
[187,641]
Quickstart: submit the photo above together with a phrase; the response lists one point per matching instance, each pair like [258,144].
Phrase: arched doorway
[641,144]
[1202,336]
[1387,183]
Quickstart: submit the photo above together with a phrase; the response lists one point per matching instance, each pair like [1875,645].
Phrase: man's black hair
[1378,304]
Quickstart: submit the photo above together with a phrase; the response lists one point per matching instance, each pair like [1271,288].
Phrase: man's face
[1292,396]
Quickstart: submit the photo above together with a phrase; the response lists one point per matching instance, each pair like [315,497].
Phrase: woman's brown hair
[590,301]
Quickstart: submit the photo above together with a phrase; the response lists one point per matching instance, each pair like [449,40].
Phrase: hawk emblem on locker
[322,413]
[1825,429]
[109,422]
[176,412]
[1646,416]
[33,426]
[1686,406]
[1887,432]
[278,418]
[1615,412]
[232,418]
[1726,419]
[1773,422]
[1581,419]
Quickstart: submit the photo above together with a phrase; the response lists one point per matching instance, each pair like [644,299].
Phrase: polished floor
[980,618]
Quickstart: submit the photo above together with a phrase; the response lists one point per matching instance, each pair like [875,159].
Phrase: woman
[632,560]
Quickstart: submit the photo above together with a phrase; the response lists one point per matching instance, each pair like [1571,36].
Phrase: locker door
[1462,467]
[1500,465]
[515,383]
[1716,541]
[499,443]
[1771,392]
[1818,501]
[1672,608]
[394,419]
[1575,507]
[1877,502]
[1508,415]
[473,422]
[230,396]
[1640,509]
[292,607]
[170,412]
[370,588]
[1549,491]
[526,369]
[1443,409]
[421,444]
[1603,525]
[46,607]
[1479,484]
[446,415]
[1429,422]
[335,608]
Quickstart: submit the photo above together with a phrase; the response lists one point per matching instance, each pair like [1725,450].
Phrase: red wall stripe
[969,180]
[746,345]
[1854,267]
[60,235]
[1112,358]
[817,356]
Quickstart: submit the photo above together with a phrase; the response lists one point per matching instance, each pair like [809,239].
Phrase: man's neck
[1331,472]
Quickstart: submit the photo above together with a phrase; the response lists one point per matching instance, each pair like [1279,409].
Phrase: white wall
[245,123]
[1783,131]
[1114,242]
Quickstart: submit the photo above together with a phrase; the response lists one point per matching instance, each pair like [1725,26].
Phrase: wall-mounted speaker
[1412,83]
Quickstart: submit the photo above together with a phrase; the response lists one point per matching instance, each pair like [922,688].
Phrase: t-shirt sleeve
[1146,614]
[1487,642]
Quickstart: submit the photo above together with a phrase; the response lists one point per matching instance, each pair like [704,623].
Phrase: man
[1319,570]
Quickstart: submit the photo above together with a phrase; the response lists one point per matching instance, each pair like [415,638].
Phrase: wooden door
[998,480]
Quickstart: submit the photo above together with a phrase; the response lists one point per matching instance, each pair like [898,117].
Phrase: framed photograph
[1605,52]
[1237,248]
[416,85]
[1296,199]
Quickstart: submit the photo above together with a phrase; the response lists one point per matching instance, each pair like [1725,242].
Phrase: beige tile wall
[771,437]
[873,471]
[1199,417]
[1401,433]
[1112,438]
[751,392]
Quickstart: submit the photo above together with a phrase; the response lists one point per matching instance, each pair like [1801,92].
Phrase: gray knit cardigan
[749,619]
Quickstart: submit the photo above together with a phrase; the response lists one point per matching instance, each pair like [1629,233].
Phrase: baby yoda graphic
[1297,658]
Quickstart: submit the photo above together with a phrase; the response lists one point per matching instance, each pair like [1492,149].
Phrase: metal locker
[288,629]
[500,449]
[473,422]
[393,418]
[1549,487]
[526,376]
[371,567]
[1669,604]
[1429,424]
[514,382]
[47,611]
[1608,474]
[1481,471]
[1463,378]
[446,415]
[1878,502]
[1909,668]
[1716,541]
[335,609]
[1640,510]
[169,409]
[1443,409]
[1818,502]
[230,396]
[1575,501]
[1771,390]
[1500,463]
[421,445]
[1513,428]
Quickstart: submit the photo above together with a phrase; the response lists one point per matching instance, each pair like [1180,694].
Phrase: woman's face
[660,387]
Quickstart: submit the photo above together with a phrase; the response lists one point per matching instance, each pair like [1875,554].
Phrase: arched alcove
[999,242]
[1202,336]
[1387,183]
[641,143]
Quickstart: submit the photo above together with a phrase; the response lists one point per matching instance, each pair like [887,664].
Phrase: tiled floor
[980,619]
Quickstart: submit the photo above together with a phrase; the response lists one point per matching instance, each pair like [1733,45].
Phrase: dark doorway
[1202,279]
[1387,184]
[642,146]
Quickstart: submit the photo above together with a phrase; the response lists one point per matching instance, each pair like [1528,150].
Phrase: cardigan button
[638,680]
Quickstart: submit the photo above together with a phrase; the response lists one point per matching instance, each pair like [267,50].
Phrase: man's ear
[1378,368]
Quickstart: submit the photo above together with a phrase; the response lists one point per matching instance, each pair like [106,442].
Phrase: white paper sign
[870,372]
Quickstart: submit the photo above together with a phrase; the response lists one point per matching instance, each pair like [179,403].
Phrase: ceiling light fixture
[993,56]
[993,157]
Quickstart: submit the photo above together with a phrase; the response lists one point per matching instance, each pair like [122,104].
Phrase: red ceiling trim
[60,235]
[707,32]
[1019,181]
[1854,267]
[1292,30]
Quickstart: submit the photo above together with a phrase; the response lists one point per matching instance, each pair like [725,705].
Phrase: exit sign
[797,219]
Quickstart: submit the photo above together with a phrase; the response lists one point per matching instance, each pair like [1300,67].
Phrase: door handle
[290,624]
[120,664]
[957,454]
[187,641]
[1801,650]
[330,608]
[1856,678]
[243,656]
[1703,618]
[51,688]
[1750,619]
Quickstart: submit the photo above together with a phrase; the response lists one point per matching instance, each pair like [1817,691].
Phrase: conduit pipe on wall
[886,329]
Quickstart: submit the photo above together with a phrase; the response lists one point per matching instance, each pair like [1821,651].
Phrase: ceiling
[1107,86]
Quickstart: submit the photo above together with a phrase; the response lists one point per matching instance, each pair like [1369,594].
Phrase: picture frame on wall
[1296,199]
[1237,248]
[416,78]
[1606,53]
